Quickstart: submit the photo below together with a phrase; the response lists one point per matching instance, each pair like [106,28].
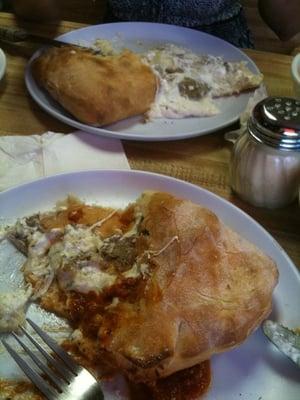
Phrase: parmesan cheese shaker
[265,162]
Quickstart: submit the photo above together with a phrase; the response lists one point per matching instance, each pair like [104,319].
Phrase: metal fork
[69,381]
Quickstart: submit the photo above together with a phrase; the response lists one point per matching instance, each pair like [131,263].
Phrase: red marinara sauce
[188,384]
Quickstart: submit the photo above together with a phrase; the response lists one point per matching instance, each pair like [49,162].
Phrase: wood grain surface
[203,161]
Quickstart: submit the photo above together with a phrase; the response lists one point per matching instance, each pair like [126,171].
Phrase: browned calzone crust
[96,89]
[214,289]
[205,289]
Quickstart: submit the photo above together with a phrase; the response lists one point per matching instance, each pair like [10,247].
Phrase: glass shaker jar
[265,161]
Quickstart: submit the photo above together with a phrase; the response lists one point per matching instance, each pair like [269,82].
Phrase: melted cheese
[78,241]
[86,279]
[170,104]
[189,82]
[41,242]
[172,65]
[12,309]
[136,270]
[75,257]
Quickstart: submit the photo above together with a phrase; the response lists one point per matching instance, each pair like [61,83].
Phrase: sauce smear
[188,384]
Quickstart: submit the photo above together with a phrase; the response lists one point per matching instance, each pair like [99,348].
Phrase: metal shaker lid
[275,121]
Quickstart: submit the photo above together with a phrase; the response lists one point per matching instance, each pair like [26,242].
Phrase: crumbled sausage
[173,70]
[121,250]
[194,90]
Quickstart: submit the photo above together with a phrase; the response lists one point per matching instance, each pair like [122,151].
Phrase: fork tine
[47,371]
[31,374]
[57,349]
[64,372]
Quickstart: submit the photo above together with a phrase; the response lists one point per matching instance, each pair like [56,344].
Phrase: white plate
[2,63]
[140,36]
[295,71]
[256,369]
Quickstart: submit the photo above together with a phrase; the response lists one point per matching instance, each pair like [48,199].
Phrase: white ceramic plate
[295,71]
[140,36]
[255,370]
[2,63]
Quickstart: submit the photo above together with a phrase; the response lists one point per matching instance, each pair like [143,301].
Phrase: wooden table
[203,161]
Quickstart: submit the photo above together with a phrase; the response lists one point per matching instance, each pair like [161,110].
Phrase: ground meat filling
[120,250]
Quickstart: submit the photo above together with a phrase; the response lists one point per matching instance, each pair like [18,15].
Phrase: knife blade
[286,340]
[18,35]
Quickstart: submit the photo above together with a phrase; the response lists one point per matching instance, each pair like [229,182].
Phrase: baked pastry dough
[96,89]
[164,82]
[155,288]
[210,289]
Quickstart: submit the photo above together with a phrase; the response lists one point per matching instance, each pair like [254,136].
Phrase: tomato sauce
[188,384]
[88,310]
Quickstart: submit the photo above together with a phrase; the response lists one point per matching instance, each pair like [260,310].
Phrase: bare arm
[36,10]
[282,16]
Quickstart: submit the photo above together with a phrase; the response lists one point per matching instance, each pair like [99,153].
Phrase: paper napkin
[25,158]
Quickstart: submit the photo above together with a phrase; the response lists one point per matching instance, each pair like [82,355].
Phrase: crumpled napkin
[258,95]
[25,158]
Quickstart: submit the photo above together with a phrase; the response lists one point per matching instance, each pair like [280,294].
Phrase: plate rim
[286,261]
[2,63]
[71,121]
[163,177]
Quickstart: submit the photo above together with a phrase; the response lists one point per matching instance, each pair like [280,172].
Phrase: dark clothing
[222,18]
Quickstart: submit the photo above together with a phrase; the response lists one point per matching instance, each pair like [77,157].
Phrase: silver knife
[12,35]
[286,340]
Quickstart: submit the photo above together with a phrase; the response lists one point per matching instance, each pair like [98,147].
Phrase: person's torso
[189,13]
